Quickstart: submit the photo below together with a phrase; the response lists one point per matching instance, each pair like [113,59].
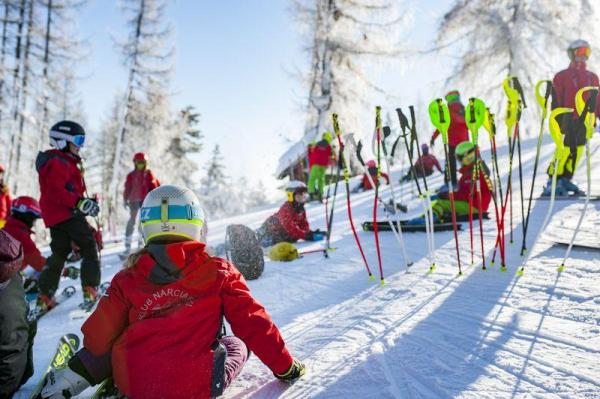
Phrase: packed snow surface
[484,334]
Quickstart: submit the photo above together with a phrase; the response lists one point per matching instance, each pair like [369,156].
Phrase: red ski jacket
[289,222]
[138,184]
[366,184]
[464,187]
[161,319]
[567,82]
[22,233]
[5,202]
[321,153]
[427,163]
[61,185]
[458,130]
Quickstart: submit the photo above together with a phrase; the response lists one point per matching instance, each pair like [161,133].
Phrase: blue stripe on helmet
[189,212]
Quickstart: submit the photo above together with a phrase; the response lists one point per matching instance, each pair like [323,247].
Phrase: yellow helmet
[283,252]
[327,136]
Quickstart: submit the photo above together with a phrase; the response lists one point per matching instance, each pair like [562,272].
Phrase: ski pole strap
[403,120]
[556,130]
[439,114]
[542,100]
[517,85]
[358,153]
[475,114]
[394,146]
[489,124]
[386,133]
[378,139]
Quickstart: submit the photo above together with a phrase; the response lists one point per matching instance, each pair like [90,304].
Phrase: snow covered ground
[485,334]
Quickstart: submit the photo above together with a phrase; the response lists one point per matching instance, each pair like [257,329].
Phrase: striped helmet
[172,213]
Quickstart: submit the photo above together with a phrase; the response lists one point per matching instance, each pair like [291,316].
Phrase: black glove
[71,272]
[88,206]
[314,235]
[295,371]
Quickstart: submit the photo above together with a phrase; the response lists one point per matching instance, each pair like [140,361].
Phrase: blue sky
[234,62]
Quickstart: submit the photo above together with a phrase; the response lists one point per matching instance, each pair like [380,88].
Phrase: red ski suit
[458,131]
[138,184]
[426,163]
[61,185]
[5,202]
[289,222]
[22,233]
[161,322]
[567,82]
[464,188]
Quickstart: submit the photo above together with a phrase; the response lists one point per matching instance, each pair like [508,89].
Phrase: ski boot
[569,187]
[559,190]
[90,297]
[44,303]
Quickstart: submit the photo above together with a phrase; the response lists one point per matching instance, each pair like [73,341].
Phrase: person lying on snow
[159,329]
[365,183]
[423,166]
[289,224]
[466,153]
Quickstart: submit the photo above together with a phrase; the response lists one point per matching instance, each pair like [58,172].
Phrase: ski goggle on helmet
[172,213]
[579,48]
[452,96]
[465,152]
[67,132]
[296,187]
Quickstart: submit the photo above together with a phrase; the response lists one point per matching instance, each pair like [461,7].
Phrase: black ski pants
[79,231]
[452,164]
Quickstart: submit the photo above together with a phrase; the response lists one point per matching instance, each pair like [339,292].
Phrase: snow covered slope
[485,334]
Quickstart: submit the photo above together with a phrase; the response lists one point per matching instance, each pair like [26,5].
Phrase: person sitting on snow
[365,183]
[159,330]
[466,153]
[289,224]
[424,165]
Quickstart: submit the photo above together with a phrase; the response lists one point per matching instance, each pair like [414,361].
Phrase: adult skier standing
[64,208]
[321,158]
[16,334]
[159,329]
[457,133]
[5,199]
[566,84]
[138,184]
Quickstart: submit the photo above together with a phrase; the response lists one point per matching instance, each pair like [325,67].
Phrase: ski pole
[475,117]
[386,134]
[440,118]
[376,187]
[587,116]
[560,152]
[543,103]
[427,209]
[522,104]
[330,218]
[345,165]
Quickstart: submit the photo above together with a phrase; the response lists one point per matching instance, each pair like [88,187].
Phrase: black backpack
[244,251]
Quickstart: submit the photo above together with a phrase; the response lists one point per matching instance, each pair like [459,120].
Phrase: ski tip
[561,268]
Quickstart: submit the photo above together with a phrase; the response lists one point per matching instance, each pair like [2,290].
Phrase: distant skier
[466,154]
[424,166]
[365,183]
[16,334]
[139,183]
[159,329]
[566,84]
[5,199]
[64,208]
[320,157]
[457,133]
[289,224]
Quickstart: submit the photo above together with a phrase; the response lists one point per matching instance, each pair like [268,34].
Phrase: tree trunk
[44,122]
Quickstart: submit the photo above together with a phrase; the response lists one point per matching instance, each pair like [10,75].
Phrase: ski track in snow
[484,334]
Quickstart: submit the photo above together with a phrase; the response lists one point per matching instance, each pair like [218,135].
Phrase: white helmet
[172,213]
[577,44]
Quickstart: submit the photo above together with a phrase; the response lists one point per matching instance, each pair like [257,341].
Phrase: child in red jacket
[64,209]
[159,329]
[5,199]
[289,224]
[466,155]
[138,184]
[424,165]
